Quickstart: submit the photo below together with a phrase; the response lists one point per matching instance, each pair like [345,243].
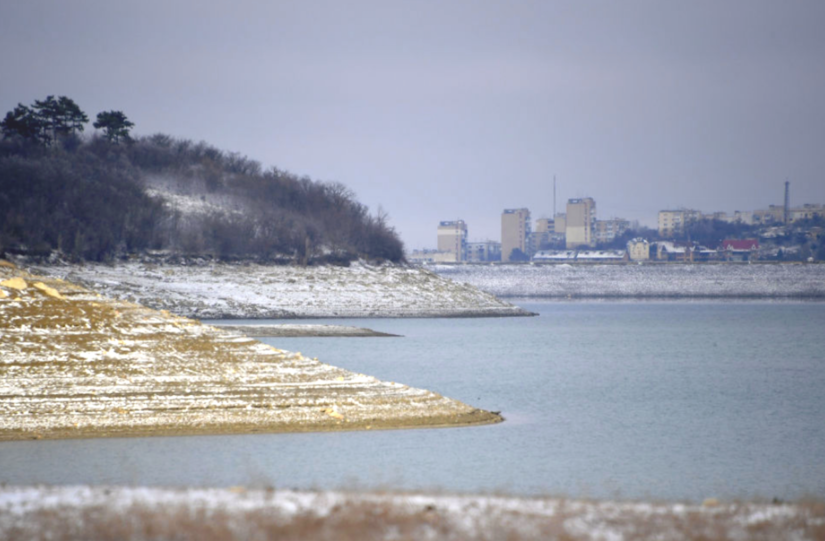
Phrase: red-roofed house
[740,250]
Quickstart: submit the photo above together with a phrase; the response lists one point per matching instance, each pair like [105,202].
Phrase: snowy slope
[219,290]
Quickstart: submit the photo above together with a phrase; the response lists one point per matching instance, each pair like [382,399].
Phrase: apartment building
[541,235]
[607,230]
[545,225]
[743,217]
[515,231]
[720,216]
[672,222]
[807,211]
[452,239]
[560,224]
[488,250]
[774,214]
[738,217]
[581,217]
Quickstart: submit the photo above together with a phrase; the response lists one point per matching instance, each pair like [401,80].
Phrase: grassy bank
[103,514]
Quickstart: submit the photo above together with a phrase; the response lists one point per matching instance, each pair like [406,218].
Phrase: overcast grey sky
[439,110]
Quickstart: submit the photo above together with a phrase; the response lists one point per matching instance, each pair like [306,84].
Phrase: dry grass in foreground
[73,513]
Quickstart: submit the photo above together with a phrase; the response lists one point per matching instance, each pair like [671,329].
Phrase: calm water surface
[665,400]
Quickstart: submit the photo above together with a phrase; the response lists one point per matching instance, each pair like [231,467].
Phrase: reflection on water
[665,400]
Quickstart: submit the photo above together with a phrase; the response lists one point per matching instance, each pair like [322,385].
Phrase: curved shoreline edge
[301,330]
[74,364]
[475,417]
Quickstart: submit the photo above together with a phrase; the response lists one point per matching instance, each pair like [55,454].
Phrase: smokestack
[787,201]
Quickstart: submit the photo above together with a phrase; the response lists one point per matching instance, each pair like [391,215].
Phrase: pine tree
[22,122]
[58,117]
[114,124]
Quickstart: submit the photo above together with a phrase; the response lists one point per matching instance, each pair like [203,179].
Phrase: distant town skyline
[445,110]
[563,208]
[687,235]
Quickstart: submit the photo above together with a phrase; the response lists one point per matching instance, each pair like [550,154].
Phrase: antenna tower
[787,201]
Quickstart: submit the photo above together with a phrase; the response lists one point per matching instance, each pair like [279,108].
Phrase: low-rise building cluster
[672,223]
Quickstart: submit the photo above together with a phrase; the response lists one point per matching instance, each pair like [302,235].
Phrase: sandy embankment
[76,364]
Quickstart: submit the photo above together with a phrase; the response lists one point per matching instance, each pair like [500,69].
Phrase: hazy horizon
[440,111]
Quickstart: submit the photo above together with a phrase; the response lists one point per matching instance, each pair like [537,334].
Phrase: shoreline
[663,281]
[288,330]
[369,315]
[585,263]
[474,418]
[76,364]
[668,297]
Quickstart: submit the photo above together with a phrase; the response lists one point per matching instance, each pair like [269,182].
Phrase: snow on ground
[83,512]
[639,281]
[191,204]
[75,364]
[219,290]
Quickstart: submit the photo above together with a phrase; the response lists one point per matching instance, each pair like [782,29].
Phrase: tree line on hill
[101,197]
[53,119]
